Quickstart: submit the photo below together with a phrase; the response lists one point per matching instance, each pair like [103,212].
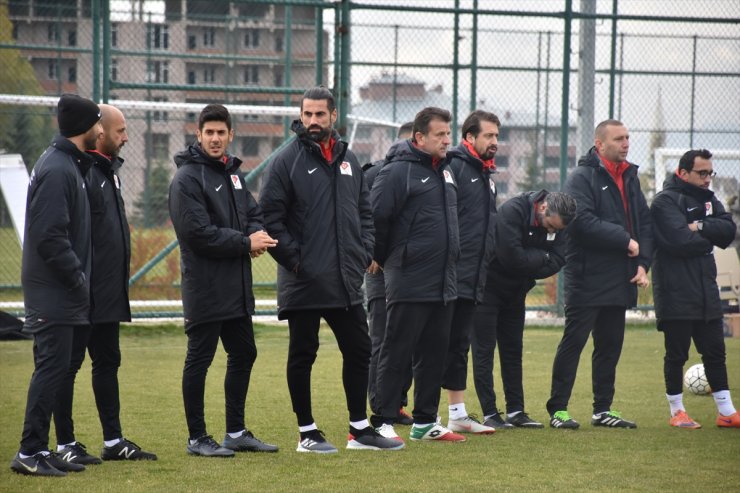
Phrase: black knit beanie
[76,115]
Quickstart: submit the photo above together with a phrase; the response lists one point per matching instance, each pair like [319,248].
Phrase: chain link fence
[670,76]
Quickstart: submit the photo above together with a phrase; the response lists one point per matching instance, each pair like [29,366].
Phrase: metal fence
[550,70]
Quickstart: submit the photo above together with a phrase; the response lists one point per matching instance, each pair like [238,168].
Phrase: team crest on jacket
[448,176]
[236,181]
[492,184]
[708,207]
[345,168]
[116,182]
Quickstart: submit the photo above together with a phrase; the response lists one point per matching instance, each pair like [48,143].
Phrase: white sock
[360,425]
[62,447]
[724,402]
[511,415]
[237,434]
[111,443]
[676,403]
[457,411]
[23,456]
[306,428]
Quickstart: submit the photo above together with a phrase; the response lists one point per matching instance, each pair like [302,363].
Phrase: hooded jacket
[416,230]
[374,283]
[320,214]
[111,242]
[213,214]
[56,250]
[524,250]
[685,273]
[597,270]
[476,208]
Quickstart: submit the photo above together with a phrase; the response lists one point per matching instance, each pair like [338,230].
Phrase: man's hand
[641,278]
[694,226]
[633,249]
[374,268]
[259,242]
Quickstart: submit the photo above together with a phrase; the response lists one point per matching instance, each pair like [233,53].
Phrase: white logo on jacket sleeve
[492,184]
[345,168]
[448,176]
[708,207]
[236,181]
[116,182]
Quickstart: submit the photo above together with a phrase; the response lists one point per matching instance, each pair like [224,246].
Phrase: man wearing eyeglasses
[689,222]
[607,258]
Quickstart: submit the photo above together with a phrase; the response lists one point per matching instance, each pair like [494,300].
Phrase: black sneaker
[497,421]
[57,462]
[208,447]
[561,419]
[611,419]
[369,439]
[36,465]
[522,420]
[314,441]
[403,418]
[126,450]
[77,453]
[247,442]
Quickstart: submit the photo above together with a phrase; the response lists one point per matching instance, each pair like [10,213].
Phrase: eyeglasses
[705,173]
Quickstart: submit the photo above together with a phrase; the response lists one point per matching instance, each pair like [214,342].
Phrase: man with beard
[315,202]
[110,305]
[689,222]
[473,166]
[417,246]
[529,245]
[607,257]
[219,226]
[55,274]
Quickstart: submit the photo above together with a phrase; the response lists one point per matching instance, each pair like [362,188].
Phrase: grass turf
[654,457]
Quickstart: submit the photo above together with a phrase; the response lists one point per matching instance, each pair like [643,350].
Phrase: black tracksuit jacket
[476,208]
[57,250]
[374,283]
[524,252]
[416,228]
[320,214]
[111,241]
[684,270]
[213,214]
[597,270]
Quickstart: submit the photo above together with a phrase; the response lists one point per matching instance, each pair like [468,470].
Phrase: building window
[250,146]
[209,37]
[191,77]
[114,69]
[16,27]
[503,134]
[209,75]
[72,38]
[279,44]
[158,72]
[114,35]
[52,33]
[158,115]
[72,74]
[251,74]
[52,70]
[502,187]
[160,147]
[502,161]
[192,43]
[158,36]
[277,78]
[552,162]
[252,38]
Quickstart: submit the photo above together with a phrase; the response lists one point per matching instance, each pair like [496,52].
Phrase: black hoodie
[319,212]
[213,214]
[416,232]
[685,274]
[597,270]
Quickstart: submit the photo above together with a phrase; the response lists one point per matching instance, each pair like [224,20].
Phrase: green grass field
[654,457]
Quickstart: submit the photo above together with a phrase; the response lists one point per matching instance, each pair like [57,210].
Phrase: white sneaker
[386,430]
[434,431]
[469,424]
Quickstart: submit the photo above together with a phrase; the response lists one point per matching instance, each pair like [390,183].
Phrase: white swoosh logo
[102,185]
[604,188]
[29,469]
[473,180]
[692,208]
[219,187]
[312,170]
[424,180]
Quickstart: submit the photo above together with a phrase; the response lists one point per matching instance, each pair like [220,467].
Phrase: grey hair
[561,204]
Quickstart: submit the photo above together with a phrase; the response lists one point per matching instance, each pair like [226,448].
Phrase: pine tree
[152,209]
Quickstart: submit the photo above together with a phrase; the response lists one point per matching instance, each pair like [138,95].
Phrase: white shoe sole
[355,445]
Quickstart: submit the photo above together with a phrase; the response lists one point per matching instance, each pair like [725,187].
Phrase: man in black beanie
[55,273]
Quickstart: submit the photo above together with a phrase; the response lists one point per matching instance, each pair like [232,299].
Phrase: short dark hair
[214,113]
[561,204]
[601,127]
[425,116]
[471,125]
[687,160]
[406,128]
[320,92]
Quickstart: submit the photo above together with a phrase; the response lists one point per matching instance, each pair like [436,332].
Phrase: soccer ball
[696,381]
